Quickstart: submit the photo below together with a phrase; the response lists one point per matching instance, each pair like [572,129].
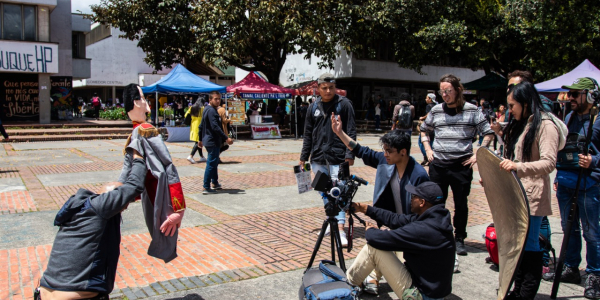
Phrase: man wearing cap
[404,101]
[320,143]
[425,237]
[588,200]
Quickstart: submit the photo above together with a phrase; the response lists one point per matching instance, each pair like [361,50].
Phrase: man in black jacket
[212,137]
[321,144]
[425,237]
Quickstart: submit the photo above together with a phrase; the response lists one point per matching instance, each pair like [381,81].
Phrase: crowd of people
[417,250]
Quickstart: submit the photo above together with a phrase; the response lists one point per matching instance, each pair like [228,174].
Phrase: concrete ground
[251,240]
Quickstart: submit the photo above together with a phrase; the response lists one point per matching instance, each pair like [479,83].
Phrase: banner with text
[19,97]
[26,57]
[265,132]
[265,96]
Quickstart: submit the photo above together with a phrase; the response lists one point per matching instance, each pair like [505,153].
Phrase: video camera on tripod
[339,193]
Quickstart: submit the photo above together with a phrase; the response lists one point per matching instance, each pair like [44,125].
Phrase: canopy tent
[311,88]
[254,87]
[487,82]
[585,69]
[180,80]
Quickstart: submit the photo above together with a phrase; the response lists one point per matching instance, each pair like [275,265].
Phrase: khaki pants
[384,263]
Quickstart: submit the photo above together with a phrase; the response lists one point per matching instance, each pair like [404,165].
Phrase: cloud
[83,6]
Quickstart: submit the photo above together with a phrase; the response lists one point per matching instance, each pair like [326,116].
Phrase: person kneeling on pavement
[85,254]
[425,238]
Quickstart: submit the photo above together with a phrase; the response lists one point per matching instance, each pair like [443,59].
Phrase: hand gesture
[470,162]
[336,124]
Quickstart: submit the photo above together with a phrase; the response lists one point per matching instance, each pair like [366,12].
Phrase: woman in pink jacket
[531,140]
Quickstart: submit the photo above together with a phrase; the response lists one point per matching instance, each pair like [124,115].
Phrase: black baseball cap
[427,190]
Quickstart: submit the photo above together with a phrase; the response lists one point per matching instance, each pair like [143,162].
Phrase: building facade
[37,61]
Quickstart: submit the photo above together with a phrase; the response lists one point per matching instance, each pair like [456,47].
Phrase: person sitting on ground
[85,254]
[426,239]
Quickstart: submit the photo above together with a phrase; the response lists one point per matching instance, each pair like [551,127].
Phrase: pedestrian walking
[378,117]
[404,114]
[96,104]
[195,113]
[4,134]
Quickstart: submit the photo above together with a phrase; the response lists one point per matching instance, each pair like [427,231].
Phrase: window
[18,22]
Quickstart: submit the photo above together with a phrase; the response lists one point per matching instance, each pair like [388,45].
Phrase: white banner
[265,132]
[24,57]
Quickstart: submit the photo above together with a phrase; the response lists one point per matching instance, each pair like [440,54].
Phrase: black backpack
[188,119]
[328,281]
[404,117]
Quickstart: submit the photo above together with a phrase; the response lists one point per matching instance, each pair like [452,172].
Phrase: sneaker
[371,286]
[209,191]
[592,287]
[570,275]
[327,231]
[343,239]
[191,159]
[460,246]
[545,270]
[202,159]
[456,263]
[217,187]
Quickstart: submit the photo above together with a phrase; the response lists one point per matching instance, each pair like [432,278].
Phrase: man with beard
[589,191]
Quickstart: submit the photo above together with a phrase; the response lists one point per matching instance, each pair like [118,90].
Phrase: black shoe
[217,186]
[570,275]
[592,287]
[209,191]
[460,246]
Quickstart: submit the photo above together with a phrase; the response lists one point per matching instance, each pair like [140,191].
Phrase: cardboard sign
[265,132]
[237,112]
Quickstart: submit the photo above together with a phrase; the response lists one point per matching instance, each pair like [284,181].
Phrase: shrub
[114,113]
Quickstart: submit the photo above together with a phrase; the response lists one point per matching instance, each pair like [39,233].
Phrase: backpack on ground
[95,101]
[491,243]
[328,281]
[404,117]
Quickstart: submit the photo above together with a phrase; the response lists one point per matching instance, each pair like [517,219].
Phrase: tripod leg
[317,245]
[335,232]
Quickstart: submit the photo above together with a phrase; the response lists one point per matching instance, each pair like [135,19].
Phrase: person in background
[390,110]
[378,116]
[430,100]
[196,115]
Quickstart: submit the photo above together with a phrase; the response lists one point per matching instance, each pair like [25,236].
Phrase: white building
[37,60]
[117,62]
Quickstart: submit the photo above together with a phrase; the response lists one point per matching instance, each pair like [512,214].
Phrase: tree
[249,34]
[547,37]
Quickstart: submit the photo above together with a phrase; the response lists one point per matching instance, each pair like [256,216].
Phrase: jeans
[422,147]
[546,232]
[533,235]
[589,214]
[341,217]
[458,178]
[377,121]
[212,163]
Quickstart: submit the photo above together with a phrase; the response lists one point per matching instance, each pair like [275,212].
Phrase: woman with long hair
[531,140]
[196,113]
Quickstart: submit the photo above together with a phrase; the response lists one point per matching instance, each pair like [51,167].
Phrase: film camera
[340,193]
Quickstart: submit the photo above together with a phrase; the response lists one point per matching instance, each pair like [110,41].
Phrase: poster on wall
[19,97]
[61,90]
[237,112]
[265,132]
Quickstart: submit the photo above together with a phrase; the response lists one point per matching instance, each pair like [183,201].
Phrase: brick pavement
[235,248]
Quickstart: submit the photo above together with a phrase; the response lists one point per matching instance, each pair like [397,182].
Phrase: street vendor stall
[180,81]
[252,88]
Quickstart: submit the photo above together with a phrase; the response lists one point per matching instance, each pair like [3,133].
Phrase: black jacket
[427,243]
[211,129]
[321,144]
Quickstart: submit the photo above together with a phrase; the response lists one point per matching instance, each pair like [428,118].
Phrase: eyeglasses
[447,92]
[388,151]
[574,94]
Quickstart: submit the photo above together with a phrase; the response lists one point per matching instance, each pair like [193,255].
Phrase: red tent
[252,83]
[312,87]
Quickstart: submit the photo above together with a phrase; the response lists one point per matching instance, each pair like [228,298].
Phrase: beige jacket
[535,175]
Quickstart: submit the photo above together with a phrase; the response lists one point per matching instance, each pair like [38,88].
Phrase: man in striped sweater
[455,124]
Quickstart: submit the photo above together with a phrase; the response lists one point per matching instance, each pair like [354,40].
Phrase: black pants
[97,111]
[458,178]
[196,148]
[4,134]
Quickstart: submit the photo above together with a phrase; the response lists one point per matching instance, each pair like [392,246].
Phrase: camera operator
[589,192]
[426,239]
[320,143]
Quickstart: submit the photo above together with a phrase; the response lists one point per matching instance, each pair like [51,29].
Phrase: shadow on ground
[189,297]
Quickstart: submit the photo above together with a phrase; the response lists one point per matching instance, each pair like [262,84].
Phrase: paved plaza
[249,241]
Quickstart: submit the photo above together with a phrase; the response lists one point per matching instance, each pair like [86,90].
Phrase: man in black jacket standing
[212,137]
[426,239]
[321,144]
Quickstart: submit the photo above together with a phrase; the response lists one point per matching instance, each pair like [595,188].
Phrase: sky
[83,5]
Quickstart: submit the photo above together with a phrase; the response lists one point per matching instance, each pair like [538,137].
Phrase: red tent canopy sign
[313,87]
[254,87]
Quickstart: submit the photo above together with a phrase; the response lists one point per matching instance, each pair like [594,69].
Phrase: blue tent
[180,80]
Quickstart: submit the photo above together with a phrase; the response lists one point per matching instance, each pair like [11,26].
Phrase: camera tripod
[336,244]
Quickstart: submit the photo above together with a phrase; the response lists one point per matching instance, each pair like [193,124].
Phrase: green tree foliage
[229,32]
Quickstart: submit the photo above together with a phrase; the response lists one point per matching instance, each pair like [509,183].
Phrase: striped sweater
[454,132]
